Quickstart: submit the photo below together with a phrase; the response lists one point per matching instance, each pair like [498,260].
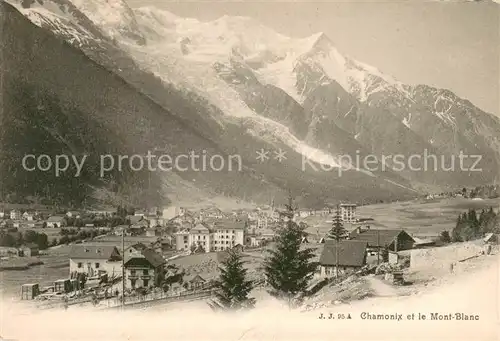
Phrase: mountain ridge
[271,90]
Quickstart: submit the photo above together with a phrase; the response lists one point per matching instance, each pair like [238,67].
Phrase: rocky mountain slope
[240,87]
[329,101]
[56,101]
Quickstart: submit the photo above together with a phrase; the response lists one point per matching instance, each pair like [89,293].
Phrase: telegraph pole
[123,268]
[337,218]
[378,247]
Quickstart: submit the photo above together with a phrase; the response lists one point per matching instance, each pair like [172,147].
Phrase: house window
[132,283]
[80,265]
[132,272]
[145,282]
[97,265]
[145,272]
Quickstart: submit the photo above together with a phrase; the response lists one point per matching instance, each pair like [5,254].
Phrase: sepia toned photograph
[249,170]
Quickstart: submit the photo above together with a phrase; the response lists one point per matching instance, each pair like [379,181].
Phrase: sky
[451,45]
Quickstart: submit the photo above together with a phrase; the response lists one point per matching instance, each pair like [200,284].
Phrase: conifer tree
[288,269]
[445,237]
[337,232]
[456,233]
[232,287]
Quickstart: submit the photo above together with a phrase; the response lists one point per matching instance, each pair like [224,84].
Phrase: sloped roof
[351,253]
[229,224]
[55,219]
[138,246]
[200,228]
[376,237]
[83,251]
[195,279]
[134,219]
[150,257]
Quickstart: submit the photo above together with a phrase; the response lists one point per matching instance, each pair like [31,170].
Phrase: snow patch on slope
[406,120]
[446,117]
[114,17]
[197,77]
[57,17]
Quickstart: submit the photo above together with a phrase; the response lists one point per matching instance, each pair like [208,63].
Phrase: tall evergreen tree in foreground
[232,288]
[289,269]
[337,233]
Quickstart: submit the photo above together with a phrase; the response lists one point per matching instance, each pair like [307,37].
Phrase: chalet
[196,282]
[184,219]
[393,240]
[162,244]
[144,269]
[120,229]
[30,216]
[139,226]
[323,212]
[134,250]
[56,221]
[155,221]
[213,212]
[253,240]
[32,224]
[15,214]
[153,232]
[134,219]
[95,259]
[73,214]
[29,250]
[351,257]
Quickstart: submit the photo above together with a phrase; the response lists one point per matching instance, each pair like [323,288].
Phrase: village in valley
[133,257]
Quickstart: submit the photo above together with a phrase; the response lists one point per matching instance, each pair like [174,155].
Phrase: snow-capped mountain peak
[114,17]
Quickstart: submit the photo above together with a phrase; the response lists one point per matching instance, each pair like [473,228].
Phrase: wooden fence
[152,298]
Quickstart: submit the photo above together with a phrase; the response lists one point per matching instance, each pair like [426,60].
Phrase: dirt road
[381,288]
